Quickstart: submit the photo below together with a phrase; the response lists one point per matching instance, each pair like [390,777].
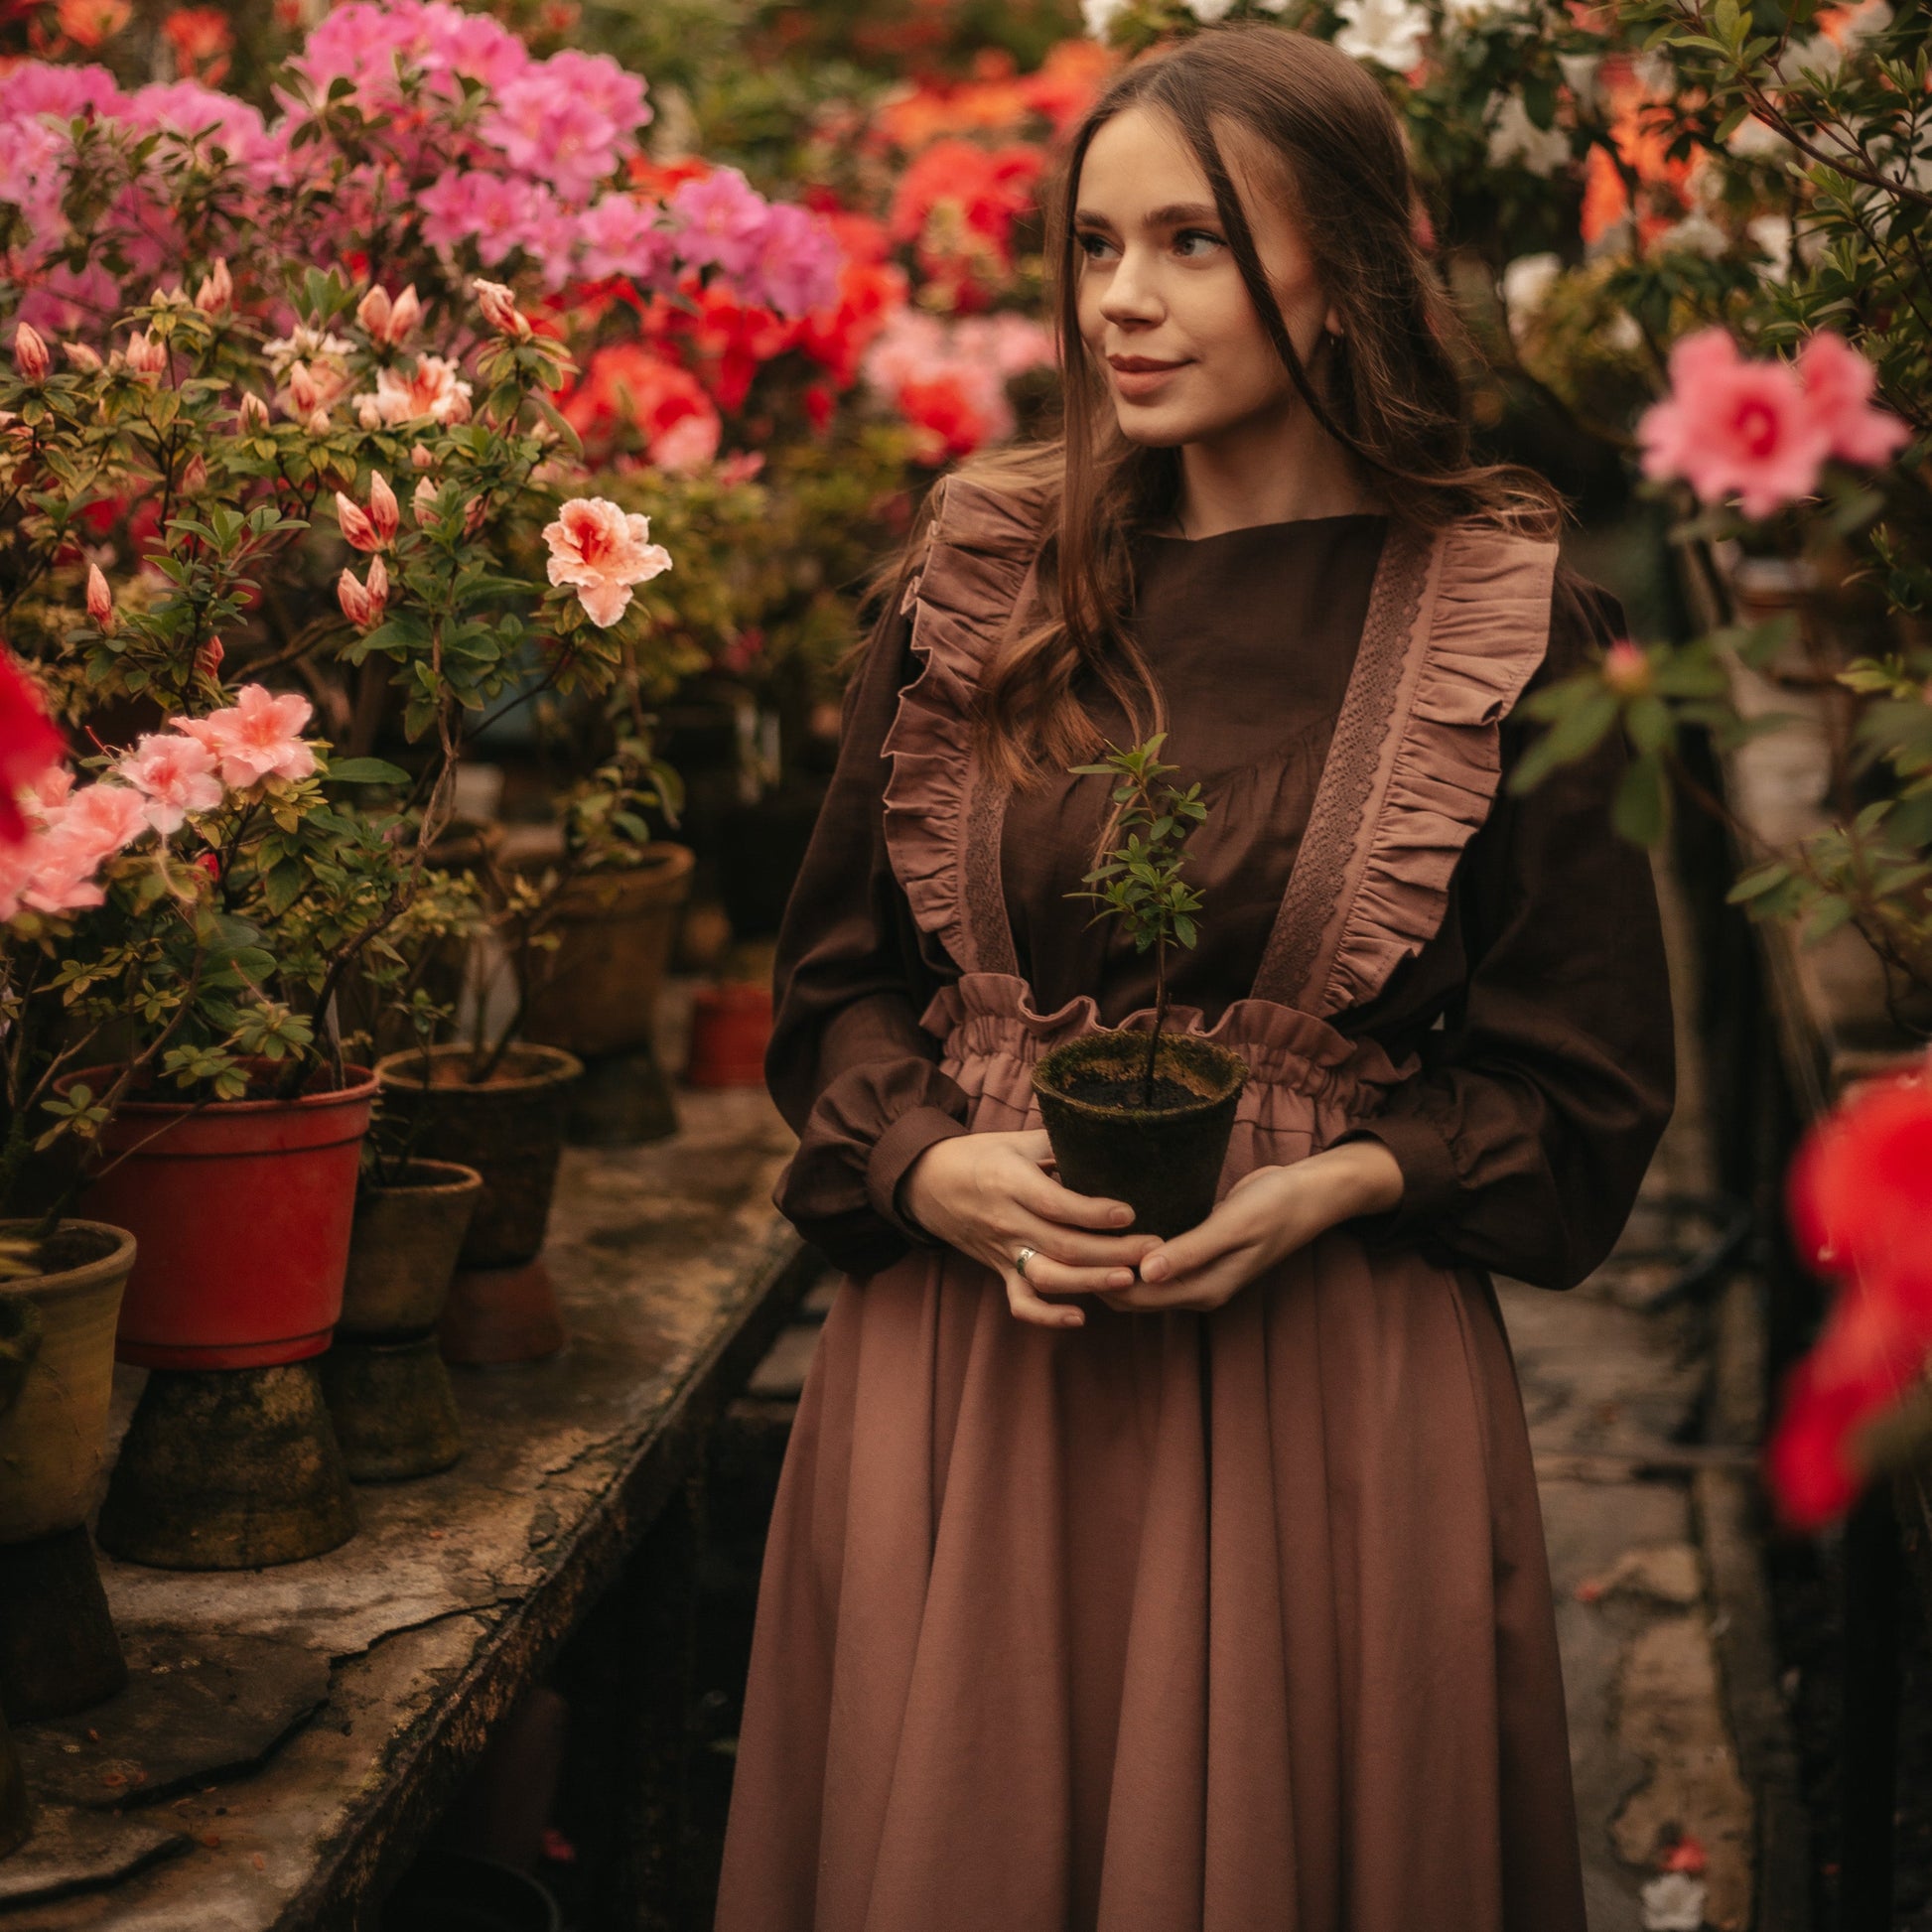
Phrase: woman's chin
[1154,429]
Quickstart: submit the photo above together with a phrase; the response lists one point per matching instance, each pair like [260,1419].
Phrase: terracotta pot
[731,1026]
[395,1411]
[56,1337]
[404,1249]
[1164,1160]
[242,1209]
[509,1128]
[596,992]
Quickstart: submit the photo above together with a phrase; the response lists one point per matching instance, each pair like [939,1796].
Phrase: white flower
[1773,234]
[1466,14]
[1514,137]
[1207,12]
[1673,1902]
[1527,283]
[1696,234]
[1100,15]
[1387,32]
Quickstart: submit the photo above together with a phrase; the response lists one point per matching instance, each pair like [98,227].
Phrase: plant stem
[1159,1020]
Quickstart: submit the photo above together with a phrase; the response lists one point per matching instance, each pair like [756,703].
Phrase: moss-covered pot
[56,1349]
[1163,1162]
[509,1128]
[402,1250]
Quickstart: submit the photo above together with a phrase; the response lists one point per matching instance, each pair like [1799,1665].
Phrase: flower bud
[473,515]
[499,309]
[101,600]
[207,864]
[208,660]
[82,357]
[404,316]
[215,295]
[372,311]
[255,411]
[420,458]
[378,586]
[318,423]
[357,530]
[304,396]
[355,599]
[384,512]
[424,504]
[1628,670]
[194,479]
[30,355]
[147,356]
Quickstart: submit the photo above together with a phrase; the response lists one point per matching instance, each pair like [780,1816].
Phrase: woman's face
[1163,308]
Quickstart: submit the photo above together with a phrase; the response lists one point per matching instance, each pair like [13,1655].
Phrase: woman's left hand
[1267,1215]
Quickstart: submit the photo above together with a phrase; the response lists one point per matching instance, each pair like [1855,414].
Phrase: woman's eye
[1195,244]
[1096,247]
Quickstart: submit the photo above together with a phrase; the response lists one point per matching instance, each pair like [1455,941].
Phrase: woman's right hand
[989,1195]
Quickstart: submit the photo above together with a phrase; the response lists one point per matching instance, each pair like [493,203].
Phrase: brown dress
[1184,1623]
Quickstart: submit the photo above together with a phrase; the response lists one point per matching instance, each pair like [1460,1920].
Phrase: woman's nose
[1129,296]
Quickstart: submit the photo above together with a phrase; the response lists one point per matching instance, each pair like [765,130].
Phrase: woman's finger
[1050,1276]
[1077,1249]
[1028,1307]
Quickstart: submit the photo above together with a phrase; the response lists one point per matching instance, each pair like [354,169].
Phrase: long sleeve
[849,1065]
[1542,1094]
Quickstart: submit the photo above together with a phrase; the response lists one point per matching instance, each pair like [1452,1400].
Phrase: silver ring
[1021,1260]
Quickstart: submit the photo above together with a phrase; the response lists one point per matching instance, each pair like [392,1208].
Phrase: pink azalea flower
[549,130]
[603,551]
[1839,382]
[798,261]
[176,775]
[95,822]
[618,235]
[432,389]
[257,737]
[1734,427]
[720,218]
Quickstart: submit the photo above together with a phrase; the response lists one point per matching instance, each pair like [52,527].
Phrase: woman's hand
[989,1196]
[1266,1216]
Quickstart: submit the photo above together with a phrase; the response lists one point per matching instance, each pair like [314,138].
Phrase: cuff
[1430,1184]
[894,1153]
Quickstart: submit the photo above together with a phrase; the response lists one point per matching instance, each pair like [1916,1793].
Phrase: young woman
[1198,1586]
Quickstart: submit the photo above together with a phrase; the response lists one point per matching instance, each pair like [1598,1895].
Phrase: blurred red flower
[28,744]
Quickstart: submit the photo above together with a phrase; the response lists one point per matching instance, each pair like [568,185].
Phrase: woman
[1198,1586]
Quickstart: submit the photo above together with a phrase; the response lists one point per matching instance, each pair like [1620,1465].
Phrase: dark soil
[1128,1096]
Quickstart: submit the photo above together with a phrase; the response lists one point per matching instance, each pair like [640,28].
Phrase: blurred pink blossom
[1839,383]
[719,218]
[176,775]
[257,737]
[433,389]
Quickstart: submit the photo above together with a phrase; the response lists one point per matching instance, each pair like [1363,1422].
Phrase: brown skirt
[1171,1623]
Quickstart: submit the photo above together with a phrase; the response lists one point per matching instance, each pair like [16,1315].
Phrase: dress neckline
[1260,529]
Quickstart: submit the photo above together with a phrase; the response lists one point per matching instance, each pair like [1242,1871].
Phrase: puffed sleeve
[1544,1093]
[849,1065]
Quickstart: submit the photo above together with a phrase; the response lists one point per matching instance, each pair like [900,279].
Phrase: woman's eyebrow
[1171,216]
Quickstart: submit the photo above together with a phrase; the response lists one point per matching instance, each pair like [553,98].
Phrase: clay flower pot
[731,1026]
[502,1306]
[596,993]
[57,1649]
[387,1390]
[242,1210]
[1164,1160]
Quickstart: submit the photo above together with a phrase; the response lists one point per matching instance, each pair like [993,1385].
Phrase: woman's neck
[1278,469]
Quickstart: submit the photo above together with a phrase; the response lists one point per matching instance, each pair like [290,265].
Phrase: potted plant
[383,1379]
[1144,1118]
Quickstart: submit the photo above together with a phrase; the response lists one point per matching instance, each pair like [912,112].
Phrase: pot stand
[622,1100]
[58,1652]
[392,1406]
[228,1470]
[496,1318]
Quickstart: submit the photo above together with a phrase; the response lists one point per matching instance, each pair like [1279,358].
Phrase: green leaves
[1138,882]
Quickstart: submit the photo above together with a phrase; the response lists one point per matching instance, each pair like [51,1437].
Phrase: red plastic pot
[731,1026]
[242,1209]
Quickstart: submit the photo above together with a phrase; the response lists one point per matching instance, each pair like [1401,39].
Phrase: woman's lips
[1139,376]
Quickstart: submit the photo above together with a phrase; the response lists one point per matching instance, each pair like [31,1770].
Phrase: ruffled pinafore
[1175,1624]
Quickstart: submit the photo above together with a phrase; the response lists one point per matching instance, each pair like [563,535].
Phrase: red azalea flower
[28,744]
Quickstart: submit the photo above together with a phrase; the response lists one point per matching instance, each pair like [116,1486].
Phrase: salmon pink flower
[433,390]
[1839,382]
[29,745]
[359,528]
[596,547]
[1734,427]
[215,295]
[176,775]
[101,600]
[93,824]
[257,737]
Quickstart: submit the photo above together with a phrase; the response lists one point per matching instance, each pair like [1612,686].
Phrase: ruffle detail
[1488,628]
[981,547]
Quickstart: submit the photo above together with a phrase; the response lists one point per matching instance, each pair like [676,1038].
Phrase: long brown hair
[1391,392]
